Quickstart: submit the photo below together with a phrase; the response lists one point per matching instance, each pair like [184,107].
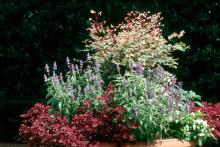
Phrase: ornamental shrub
[40,127]
[111,126]
[136,40]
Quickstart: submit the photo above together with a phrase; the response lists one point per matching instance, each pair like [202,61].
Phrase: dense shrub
[40,127]
[137,39]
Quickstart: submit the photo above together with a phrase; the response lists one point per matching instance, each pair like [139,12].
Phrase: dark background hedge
[35,32]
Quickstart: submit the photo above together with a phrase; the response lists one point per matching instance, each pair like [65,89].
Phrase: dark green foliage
[35,32]
[199,67]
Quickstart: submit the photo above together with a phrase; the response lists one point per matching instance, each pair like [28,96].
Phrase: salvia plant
[137,39]
[81,82]
[151,96]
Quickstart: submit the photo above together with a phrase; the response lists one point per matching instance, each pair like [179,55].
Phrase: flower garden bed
[121,94]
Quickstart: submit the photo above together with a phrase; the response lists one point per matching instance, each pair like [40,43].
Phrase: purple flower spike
[67,61]
[99,84]
[72,68]
[88,57]
[137,110]
[146,96]
[97,64]
[153,95]
[47,68]
[56,81]
[54,66]
[81,66]
[167,87]
[55,77]
[180,84]
[77,68]
[69,87]
[177,101]
[45,78]
[156,73]
[170,101]
[61,77]
[139,69]
[147,82]
[173,82]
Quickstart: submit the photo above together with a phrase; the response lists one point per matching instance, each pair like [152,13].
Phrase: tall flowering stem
[66,91]
[151,97]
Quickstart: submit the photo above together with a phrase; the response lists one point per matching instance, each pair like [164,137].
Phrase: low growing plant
[110,115]
[192,127]
[40,127]
[211,115]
